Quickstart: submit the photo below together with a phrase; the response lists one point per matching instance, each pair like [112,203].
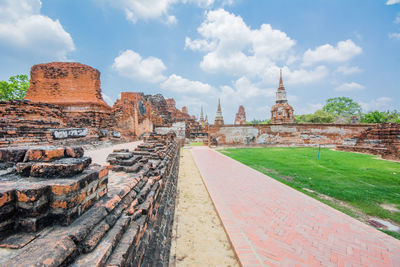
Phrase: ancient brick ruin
[132,115]
[282,112]
[64,104]
[219,119]
[74,87]
[240,117]
[285,134]
[56,209]
[383,140]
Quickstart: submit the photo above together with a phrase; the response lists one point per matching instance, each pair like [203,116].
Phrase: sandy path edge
[198,237]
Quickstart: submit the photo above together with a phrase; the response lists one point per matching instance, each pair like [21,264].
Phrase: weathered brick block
[12,154]
[44,154]
[59,168]
[74,152]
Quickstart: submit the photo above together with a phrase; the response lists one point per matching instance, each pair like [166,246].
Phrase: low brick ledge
[130,226]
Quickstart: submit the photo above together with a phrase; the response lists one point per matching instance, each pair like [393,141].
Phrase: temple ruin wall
[286,134]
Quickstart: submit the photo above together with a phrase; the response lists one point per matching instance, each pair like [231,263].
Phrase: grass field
[197,144]
[356,184]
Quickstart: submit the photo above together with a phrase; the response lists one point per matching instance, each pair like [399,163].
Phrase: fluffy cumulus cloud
[146,9]
[158,9]
[350,87]
[344,51]
[25,32]
[392,2]
[381,103]
[233,47]
[131,65]
[178,84]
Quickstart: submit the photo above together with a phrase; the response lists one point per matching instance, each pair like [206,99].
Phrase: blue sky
[198,50]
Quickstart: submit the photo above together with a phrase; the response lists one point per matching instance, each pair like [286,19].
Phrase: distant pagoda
[219,120]
[282,112]
[201,116]
[240,117]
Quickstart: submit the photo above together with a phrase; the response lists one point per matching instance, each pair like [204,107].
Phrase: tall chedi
[201,116]
[219,120]
[282,112]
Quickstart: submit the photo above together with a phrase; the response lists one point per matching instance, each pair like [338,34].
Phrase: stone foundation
[130,225]
[46,186]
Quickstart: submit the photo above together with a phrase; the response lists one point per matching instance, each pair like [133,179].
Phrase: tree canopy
[15,88]
[381,117]
[342,106]
[318,116]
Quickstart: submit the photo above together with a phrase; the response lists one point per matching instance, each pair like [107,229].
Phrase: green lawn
[359,180]
[197,144]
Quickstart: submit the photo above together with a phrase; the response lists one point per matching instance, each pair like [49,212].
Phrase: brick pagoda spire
[219,120]
[282,112]
[201,115]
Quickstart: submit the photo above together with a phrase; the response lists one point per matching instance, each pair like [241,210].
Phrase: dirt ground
[198,235]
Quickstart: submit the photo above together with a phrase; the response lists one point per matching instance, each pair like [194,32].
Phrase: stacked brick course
[46,185]
[383,140]
[129,226]
[25,123]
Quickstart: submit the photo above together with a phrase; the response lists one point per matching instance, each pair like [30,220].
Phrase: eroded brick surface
[129,226]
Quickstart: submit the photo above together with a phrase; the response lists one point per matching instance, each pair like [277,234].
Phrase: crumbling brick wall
[25,123]
[74,87]
[285,134]
[381,139]
[133,115]
[130,225]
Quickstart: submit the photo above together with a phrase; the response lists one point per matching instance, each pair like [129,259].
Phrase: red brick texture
[128,224]
[285,134]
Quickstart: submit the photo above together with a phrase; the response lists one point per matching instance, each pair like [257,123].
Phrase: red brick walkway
[271,224]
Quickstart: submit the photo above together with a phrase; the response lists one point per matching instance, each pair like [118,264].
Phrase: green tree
[321,116]
[254,121]
[15,88]
[318,116]
[381,117]
[342,106]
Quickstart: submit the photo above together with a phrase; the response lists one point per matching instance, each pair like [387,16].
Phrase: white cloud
[232,47]
[181,85]
[344,51]
[243,90]
[347,70]
[158,9]
[146,9]
[381,103]
[24,32]
[130,64]
[392,2]
[395,36]
[199,45]
[350,87]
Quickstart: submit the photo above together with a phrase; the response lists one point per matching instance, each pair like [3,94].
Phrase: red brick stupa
[282,112]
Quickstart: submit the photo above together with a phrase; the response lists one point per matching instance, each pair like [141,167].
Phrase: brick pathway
[271,224]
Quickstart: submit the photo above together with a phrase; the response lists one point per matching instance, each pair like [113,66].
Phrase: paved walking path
[99,156]
[271,224]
